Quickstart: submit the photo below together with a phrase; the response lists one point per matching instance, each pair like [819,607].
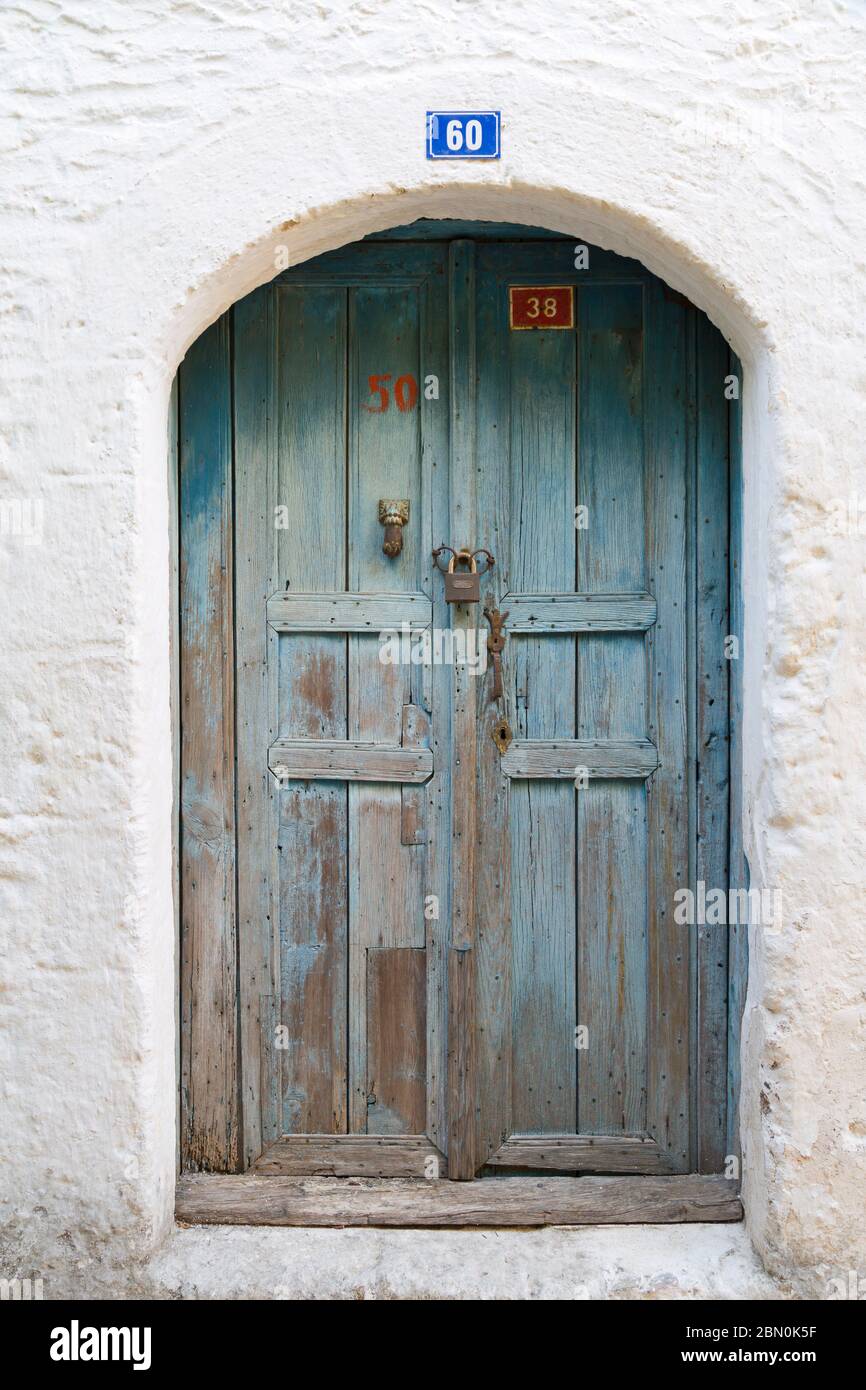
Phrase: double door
[453,934]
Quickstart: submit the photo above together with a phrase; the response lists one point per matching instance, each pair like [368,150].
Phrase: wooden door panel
[385,877]
[343,730]
[310,702]
[590,939]
[611,681]
[210,1129]
[540,496]
[671,1031]
[397,1040]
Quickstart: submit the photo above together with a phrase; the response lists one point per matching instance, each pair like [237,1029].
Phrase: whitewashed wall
[156,154]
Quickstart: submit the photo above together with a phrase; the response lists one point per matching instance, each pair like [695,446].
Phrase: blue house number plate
[463,134]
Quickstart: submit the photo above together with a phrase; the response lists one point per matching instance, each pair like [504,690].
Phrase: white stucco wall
[155,154]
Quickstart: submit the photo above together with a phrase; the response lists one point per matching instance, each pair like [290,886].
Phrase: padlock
[463,586]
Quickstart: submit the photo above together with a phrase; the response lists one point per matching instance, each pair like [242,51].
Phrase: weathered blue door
[426,931]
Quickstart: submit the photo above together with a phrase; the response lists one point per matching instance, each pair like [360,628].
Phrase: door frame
[680,1197]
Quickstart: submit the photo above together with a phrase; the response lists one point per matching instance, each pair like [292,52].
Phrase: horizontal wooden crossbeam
[352,1155]
[542,758]
[340,612]
[579,612]
[250,1200]
[588,1153]
[343,760]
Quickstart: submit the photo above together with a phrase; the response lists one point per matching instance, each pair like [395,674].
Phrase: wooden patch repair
[541,306]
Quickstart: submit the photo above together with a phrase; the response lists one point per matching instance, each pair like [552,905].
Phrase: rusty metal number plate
[541,306]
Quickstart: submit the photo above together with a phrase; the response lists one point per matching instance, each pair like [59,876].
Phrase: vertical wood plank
[712,737]
[256,580]
[738,935]
[541,488]
[431,687]
[461,973]
[209,1080]
[312,845]
[396,1040]
[612,837]
[175,707]
[493,868]
[385,898]
[669,953]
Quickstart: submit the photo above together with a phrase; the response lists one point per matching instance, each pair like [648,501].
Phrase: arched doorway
[429,915]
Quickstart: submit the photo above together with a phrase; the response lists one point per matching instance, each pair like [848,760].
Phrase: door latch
[495,646]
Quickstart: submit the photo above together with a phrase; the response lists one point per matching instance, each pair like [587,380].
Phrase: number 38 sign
[541,306]
[462,134]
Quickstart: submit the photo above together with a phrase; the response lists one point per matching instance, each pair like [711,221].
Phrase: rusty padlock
[463,586]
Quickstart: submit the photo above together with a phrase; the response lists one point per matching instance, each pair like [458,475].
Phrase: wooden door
[406,952]
[591,453]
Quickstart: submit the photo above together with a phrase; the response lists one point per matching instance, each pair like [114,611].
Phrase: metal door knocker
[393,515]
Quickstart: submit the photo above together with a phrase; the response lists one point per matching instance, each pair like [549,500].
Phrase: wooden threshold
[249,1200]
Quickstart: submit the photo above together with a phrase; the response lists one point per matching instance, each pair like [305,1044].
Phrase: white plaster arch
[617,228]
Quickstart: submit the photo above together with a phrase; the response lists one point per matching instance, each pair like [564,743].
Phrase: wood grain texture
[611,704]
[712,740]
[462,1081]
[396,1040]
[413,800]
[352,1155]
[738,934]
[309,700]
[256,488]
[579,612]
[344,612]
[617,1153]
[560,758]
[210,1135]
[540,428]
[431,692]
[251,1200]
[384,460]
[670,1017]
[175,708]
[347,760]
[493,866]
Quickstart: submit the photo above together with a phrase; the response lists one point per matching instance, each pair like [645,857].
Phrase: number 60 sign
[462,134]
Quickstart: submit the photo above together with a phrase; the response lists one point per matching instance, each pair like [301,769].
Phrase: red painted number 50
[405,392]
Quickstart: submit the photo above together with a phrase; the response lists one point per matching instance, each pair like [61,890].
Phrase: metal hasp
[495,646]
[393,515]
